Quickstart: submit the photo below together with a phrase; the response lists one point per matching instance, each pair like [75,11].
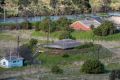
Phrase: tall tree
[24,11]
[53,3]
[83,5]
[2,2]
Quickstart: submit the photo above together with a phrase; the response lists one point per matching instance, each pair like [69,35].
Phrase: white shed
[13,61]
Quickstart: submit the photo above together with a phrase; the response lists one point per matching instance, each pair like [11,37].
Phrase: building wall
[13,63]
[6,65]
[16,63]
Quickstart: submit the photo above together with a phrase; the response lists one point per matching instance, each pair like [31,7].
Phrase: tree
[24,11]
[26,52]
[23,4]
[37,26]
[83,5]
[2,8]
[33,42]
[106,28]
[92,67]
[2,2]
[66,35]
[26,25]
[53,3]
[46,24]
[63,23]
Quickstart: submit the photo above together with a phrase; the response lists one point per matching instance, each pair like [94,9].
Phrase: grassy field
[113,66]
[81,35]
[53,57]
[50,58]
[4,36]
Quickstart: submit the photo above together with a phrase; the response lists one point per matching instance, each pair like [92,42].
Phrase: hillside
[45,7]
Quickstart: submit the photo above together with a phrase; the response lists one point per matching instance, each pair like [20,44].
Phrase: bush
[56,70]
[92,67]
[66,35]
[106,28]
[65,55]
[26,25]
[36,25]
[33,42]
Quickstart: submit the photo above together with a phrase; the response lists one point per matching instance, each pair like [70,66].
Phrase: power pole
[18,38]
[4,13]
[18,43]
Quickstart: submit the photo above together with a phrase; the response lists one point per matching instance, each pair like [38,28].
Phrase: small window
[3,63]
[14,61]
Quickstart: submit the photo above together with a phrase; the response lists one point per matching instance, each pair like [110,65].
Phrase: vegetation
[27,50]
[66,35]
[46,7]
[113,66]
[88,35]
[56,70]
[47,25]
[14,26]
[84,6]
[65,55]
[105,29]
[92,67]
[2,2]
[33,42]
[53,57]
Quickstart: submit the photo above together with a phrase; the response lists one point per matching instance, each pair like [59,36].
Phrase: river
[39,18]
[34,19]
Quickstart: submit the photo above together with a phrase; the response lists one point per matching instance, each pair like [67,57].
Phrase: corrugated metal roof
[64,44]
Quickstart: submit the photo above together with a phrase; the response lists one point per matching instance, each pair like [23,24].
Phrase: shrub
[46,24]
[33,42]
[106,28]
[65,55]
[56,70]
[92,67]
[66,35]
[63,23]
[36,25]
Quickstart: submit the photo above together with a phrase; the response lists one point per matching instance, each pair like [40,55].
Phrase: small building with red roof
[85,25]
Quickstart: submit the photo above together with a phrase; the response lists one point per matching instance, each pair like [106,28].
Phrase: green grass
[88,35]
[44,34]
[2,69]
[113,66]
[51,59]
[83,35]
[6,37]
[38,33]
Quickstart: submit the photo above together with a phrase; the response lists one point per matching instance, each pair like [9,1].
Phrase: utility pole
[18,42]
[4,13]
[18,38]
